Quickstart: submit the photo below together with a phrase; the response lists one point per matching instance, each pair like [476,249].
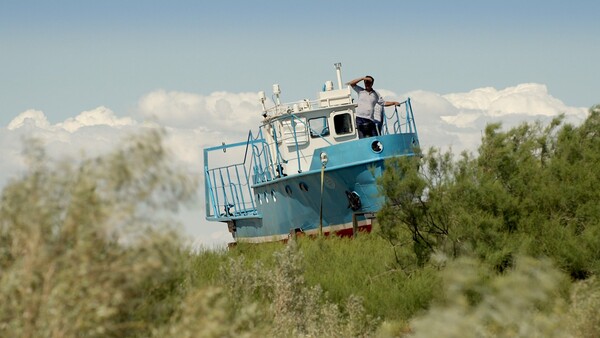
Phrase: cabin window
[343,124]
[295,132]
[318,127]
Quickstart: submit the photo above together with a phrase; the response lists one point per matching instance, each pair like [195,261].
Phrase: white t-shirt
[367,102]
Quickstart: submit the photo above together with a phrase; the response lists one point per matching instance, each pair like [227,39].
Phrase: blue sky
[64,57]
[81,74]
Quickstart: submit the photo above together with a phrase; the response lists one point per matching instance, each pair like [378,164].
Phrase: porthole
[303,186]
[273,196]
[288,190]
[266,197]
[377,146]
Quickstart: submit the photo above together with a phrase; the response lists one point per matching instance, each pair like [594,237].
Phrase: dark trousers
[365,127]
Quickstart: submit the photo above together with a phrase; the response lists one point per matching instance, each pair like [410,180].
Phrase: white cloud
[458,119]
[527,99]
[30,117]
[100,116]
[195,121]
[222,111]
[96,117]
[91,132]
[173,108]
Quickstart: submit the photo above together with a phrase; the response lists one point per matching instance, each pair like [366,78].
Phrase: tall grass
[257,301]
[365,266]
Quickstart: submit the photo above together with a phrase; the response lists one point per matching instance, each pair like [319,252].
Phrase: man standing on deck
[368,98]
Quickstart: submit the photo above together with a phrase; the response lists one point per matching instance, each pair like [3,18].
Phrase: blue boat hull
[306,170]
[294,204]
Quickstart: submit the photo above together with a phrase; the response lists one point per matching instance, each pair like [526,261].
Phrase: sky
[81,74]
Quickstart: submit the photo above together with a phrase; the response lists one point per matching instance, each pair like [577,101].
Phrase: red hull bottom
[344,233]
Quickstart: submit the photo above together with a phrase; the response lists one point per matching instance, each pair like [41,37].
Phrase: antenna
[263,98]
[276,92]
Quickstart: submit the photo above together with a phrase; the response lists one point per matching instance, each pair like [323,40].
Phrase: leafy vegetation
[531,191]
[502,244]
[79,249]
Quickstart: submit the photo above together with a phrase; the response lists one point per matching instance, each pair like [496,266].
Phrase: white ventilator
[338,71]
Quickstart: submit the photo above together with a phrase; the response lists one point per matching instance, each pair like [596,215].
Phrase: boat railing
[231,188]
[400,123]
[395,123]
[291,107]
[268,163]
[264,167]
[227,189]
[299,130]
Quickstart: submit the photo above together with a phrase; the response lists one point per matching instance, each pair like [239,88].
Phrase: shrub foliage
[532,190]
[502,244]
[79,247]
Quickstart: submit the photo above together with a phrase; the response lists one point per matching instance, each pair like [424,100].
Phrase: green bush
[521,303]
[530,191]
[81,252]
[583,319]
[483,246]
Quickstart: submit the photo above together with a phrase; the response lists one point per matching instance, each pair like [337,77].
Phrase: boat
[304,170]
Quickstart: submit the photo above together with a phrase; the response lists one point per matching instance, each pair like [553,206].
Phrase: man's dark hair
[370,77]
